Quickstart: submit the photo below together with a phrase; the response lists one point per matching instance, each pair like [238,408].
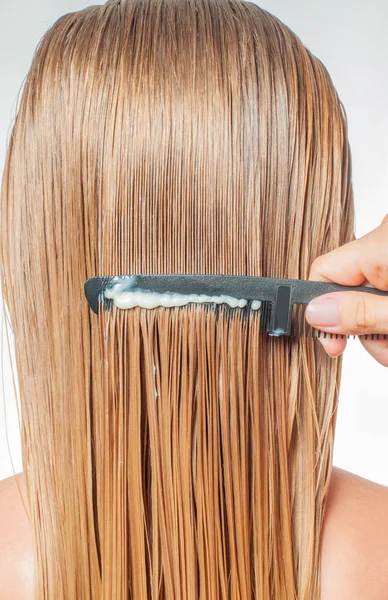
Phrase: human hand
[362,261]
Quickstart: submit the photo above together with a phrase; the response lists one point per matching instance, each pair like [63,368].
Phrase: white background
[349,36]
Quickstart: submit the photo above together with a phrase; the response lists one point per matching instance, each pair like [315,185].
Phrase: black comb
[283,301]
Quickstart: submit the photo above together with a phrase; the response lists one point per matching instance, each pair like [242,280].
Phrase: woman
[178,453]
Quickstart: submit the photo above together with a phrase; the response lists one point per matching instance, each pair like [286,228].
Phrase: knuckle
[318,261]
[379,352]
[364,315]
[379,273]
[382,357]
[318,265]
[314,266]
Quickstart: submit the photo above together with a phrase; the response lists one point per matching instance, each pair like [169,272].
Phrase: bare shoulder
[355,540]
[16,564]
[354,545]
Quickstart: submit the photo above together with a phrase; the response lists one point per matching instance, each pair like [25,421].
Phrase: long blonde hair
[172,453]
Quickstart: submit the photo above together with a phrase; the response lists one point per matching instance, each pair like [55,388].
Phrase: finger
[353,313]
[352,263]
[378,349]
[357,262]
[334,347]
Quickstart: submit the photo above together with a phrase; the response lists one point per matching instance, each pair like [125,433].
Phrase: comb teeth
[300,327]
[265,311]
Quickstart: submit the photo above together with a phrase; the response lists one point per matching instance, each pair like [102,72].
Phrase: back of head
[172,453]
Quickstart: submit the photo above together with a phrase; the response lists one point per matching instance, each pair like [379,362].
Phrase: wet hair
[172,452]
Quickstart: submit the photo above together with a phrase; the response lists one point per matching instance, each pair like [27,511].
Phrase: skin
[16,555]
[361,262]
[354,553]
[354,549]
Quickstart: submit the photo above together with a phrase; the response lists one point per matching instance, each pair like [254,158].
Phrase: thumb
[350,313]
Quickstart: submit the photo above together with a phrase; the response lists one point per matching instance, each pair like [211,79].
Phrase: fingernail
[323,312]
[325,343]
